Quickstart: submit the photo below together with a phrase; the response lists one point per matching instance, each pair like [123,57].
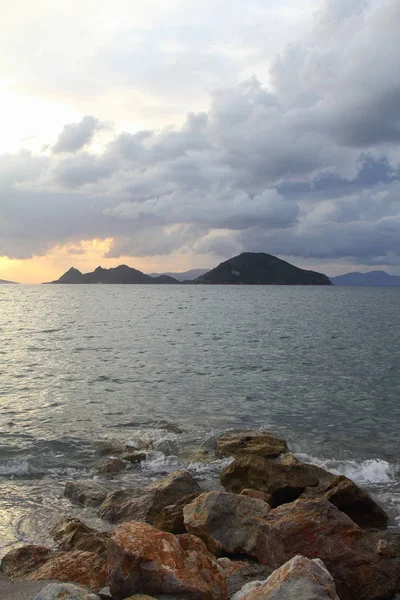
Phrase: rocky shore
[278,529]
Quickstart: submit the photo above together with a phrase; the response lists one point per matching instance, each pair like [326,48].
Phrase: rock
[72,534]
[317,529]
[78,566]
[349,498]
[111,447]
[167,446]
[145,504]
[288,460]
[143,559]
[113,466]
[134,457]
[83,492]
[247,588]
[300,579]
[171,517]
[20,562]
[258,495]
[234,524]
[141,597]
[250,442]
[238,573]
[65,591]
[104,593]
[283,483]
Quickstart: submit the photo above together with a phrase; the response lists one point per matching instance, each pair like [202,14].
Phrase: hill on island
[251,268]
[183,275]
[5,281]
[119,275]
[375,278]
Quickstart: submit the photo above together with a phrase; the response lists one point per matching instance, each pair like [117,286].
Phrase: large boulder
[145,504]
[78,566]
[84,492]
[72,534]
[283,483]
[145,560]
[363,567]
[171,517]
[256,442]
[239,573]
[234,524]
[20,562]
[65,591]
[298,579]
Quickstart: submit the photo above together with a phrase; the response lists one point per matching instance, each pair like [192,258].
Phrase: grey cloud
[75,136]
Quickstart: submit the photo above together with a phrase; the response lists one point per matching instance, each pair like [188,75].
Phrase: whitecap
[370,471]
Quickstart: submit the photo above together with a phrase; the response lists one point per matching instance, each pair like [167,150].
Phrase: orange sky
[86,257]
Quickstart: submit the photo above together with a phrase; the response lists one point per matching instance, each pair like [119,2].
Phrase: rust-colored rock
[256,443]
[72,534]
[283,483]
[171,517]
[78,566]
[258,495]
[20,562]
[145,560]
[317,529]
[234,524]
[300,578]
[145,504]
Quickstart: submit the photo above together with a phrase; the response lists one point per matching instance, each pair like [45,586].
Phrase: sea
[173,367]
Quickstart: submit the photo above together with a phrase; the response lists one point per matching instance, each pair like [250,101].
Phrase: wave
[372,471]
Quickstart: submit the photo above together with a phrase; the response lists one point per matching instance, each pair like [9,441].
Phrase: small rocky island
[5,281]
[249,268]
[276,529]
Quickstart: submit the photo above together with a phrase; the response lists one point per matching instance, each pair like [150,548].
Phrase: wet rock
[78,566]
[317,529]
[234,524]
[198,455]
[167,446]
[110,448]
[18,563]
[250,442]
[143,559]
[72,534]
[65,591]
[300,578]
[84,492]
[348,497]
[258,495]
[145,504]
[134,457]
[170,519]
[113,466]
[288,460]
[283,483]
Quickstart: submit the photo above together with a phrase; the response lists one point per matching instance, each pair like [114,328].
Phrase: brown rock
[250,442]
[72,534]
[134,457]
[81,567]
[317,529]
[113,466]
[241,572]
[20,562]
[299,578]
[171,517]
[147,503]
[143,559]
[288,460]
[83,492]
[283,483]
[234,524]
[258,495]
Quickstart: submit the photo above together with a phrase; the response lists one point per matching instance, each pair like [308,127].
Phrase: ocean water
[175,366]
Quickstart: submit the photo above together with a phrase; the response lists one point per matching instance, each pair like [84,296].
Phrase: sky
[175,135]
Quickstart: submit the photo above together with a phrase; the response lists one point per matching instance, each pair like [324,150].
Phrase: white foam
[15,467]
[371,471]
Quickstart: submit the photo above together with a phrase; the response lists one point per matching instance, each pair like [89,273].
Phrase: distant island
[249,268]
[183,276]
[5,281]
[375,278]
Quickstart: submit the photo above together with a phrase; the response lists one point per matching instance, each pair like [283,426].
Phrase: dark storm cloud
[308,168]
[75,136]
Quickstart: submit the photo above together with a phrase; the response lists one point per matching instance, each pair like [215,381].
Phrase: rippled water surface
[83,364]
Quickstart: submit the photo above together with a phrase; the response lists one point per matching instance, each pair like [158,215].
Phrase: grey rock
[84,492]
[66,591]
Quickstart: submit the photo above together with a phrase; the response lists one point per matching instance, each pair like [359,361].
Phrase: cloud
[75,136]
[305,166]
